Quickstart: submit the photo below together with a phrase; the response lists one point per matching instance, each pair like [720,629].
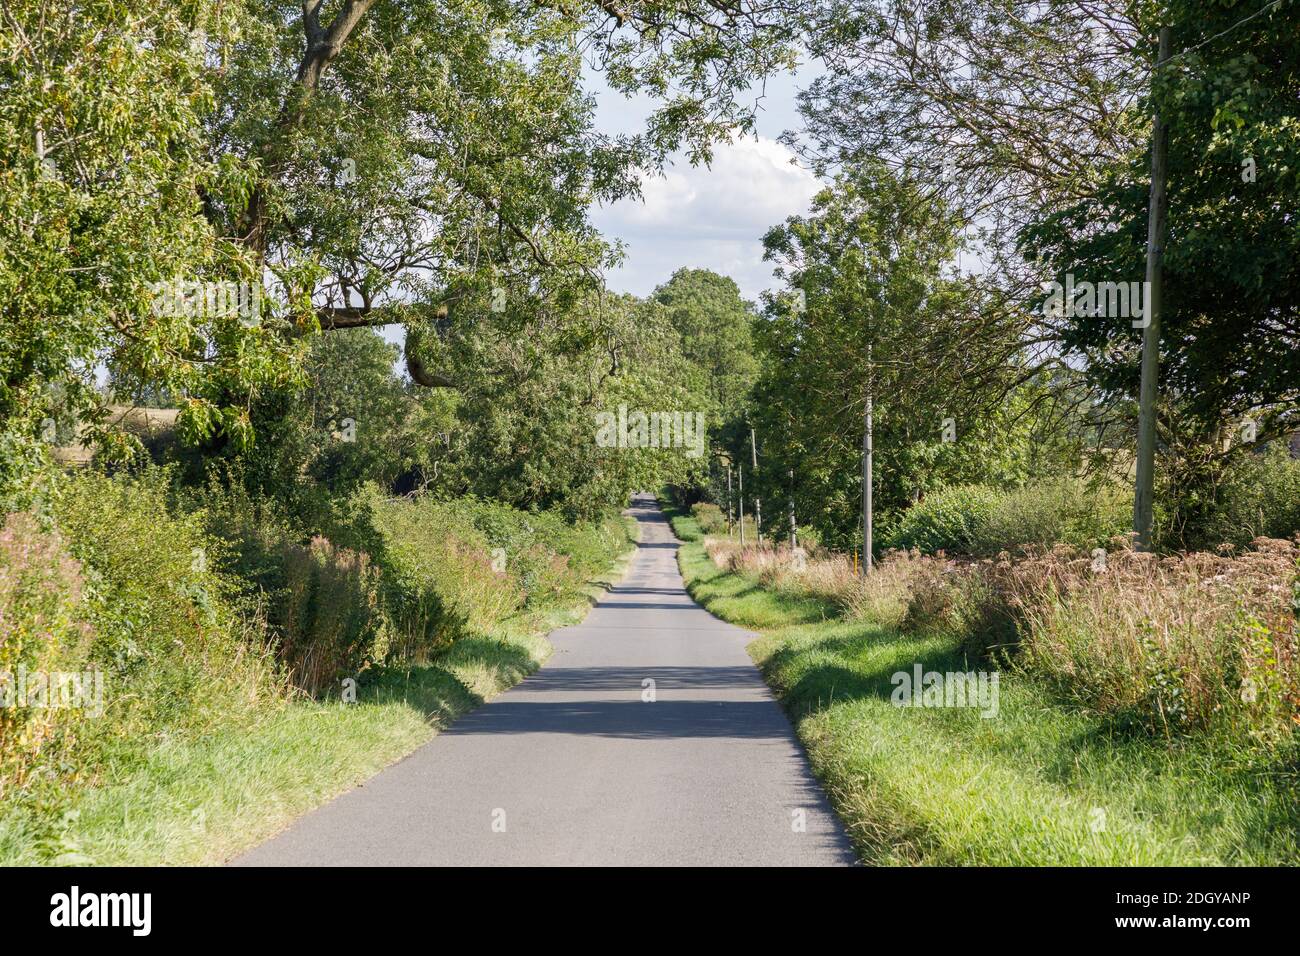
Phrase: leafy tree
[527,425]
[101,109]
[1230,336]
[362,162]
[426,153]
[873,311]
[714,324]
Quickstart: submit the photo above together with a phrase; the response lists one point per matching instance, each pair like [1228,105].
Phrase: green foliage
[872,309]
[947,520]
[714,324]
[980,519]
[331,619]
[368,163]
[1231,287]
[100,199]
[175,644]
[458,569]
[709,517]
[45,629]
[1258,495]
[525,432]
[1063,511]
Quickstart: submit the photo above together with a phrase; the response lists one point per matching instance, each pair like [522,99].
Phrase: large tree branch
[366,317]
[324,46]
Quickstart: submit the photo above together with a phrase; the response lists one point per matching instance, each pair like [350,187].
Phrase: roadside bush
[331,621]
[947,520]
[177,646]
[551,556]
[43,629]
[322,603]
[1258,497]
[1065,511]
[709,517]
[398,580]
[440,584]
[122,594]
[962,599]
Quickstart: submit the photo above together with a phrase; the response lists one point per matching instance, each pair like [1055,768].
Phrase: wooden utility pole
[758,503]
[1144,492]
[728,499]
[794,530]
[868,426]
[740,499]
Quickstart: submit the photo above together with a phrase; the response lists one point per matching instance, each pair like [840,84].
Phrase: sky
[707,217]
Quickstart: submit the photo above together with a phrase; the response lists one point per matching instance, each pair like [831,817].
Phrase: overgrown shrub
[322,603]
[43,629]
[709,517]
[1258,497]
[947,520]
[962,599]
[178,648]
[125,589]
[1064,511]
[331,621]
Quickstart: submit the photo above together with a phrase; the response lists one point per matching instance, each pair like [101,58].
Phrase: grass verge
[202,801]
[1041,783]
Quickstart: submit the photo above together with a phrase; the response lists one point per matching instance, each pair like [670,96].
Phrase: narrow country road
[572,767]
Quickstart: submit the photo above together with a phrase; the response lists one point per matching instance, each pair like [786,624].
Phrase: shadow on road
[631,719]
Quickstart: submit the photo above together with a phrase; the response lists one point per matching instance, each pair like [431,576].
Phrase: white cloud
[709,217]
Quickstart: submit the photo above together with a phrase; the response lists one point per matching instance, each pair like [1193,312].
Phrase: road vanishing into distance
[574,766]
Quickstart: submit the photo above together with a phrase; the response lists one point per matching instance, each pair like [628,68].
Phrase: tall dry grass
[1175,643]
[881,597]
[1186,643]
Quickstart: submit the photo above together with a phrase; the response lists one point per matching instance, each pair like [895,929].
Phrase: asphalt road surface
[575,767]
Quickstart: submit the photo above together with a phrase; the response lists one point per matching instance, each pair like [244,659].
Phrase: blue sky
[714,217]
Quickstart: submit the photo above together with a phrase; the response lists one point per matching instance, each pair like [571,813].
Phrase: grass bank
[203,746]
[1043,782]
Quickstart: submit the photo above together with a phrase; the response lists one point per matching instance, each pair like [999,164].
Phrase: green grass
[682,521]
[203,801]
[687,527]
[1039,784]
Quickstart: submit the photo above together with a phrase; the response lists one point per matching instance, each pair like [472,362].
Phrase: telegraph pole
[794,531]
[1144,492]
[728,499]
[868,427]
[740,499]
[758,504]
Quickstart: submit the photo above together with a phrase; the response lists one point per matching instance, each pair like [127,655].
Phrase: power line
[1208,40]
